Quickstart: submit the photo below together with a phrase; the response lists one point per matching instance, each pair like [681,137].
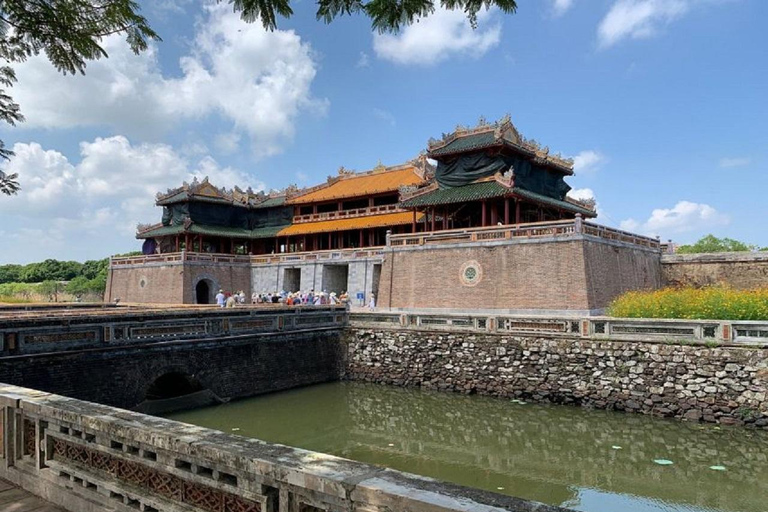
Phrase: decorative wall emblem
[471,273]
[142,282]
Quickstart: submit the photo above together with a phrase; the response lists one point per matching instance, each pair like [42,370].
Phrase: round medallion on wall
[142,282]
[471,273]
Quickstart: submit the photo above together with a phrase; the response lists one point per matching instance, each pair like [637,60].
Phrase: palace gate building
[490,226]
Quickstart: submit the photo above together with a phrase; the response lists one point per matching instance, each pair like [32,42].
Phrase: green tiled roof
[223,231]
[271,202]
[467,143]
[471,192]
[487,190]
[175,198]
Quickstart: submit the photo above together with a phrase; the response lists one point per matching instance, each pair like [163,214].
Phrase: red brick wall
[614,269]
[162,284]
[564,275]
[174,284]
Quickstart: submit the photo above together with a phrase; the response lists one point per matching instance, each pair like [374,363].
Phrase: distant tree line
[85,278]
[711,243]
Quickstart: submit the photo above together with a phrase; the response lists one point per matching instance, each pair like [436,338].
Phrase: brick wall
[579,273]
[174,283]
[739,270]
[230,368]
[146,284]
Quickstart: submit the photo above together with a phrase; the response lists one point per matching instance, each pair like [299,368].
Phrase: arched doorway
[203,292]
[172,385]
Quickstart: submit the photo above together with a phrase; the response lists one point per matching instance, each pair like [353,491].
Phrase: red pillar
[517,211]
[433,219]
[506,210]
[483,214]
[413,222]
[494,214]
[361,237]
[177,243]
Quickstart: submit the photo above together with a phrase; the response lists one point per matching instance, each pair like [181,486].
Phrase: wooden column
[177,243]
[494,214]
[541,214]
[371,237]
[483,214]
[186,241]
[433,218]
[413,222]
[361,237]
[330,241]
[517,211]
[506,210]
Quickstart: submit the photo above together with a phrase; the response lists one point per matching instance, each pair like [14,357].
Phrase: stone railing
[530,230]
[703,332]
[87,457]
[297,257]
[55,331]
[347,214]
[178,257]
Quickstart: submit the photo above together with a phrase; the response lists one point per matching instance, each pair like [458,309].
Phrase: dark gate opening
[203,292]
[172,385]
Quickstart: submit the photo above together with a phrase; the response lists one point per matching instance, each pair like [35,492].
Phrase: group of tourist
[229,300]
[310,298]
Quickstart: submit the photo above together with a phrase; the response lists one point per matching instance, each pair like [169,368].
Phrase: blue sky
[663,104]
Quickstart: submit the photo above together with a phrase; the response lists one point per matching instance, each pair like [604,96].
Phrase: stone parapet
[553,360]
[735,269]
[88,457]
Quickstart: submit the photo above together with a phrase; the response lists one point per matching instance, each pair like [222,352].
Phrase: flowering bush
[716,303]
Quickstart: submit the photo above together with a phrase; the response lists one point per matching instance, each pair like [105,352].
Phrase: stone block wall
[737,269]
[231,367]
[362,276]
[725,384]
[576,273]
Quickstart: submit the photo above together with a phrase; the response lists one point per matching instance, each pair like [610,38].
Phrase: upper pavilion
[485,176]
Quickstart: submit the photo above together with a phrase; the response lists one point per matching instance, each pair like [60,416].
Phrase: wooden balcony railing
[347,214]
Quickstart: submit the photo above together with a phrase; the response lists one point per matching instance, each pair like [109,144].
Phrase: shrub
[716,303]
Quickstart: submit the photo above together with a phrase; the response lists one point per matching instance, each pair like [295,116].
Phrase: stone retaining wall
[724,384]
[735,269]
[88,457]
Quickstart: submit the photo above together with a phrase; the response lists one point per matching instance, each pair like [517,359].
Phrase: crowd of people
[310,298]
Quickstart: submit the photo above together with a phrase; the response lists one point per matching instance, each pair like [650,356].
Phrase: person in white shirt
[221,299]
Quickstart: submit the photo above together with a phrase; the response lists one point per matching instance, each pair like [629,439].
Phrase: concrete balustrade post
[578,225]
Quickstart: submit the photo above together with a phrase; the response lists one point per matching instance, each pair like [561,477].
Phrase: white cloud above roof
[684,217]
[257,81]
[98,200]
[443,35]
[638,19]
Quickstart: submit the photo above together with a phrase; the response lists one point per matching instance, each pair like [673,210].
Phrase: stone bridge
[147,358]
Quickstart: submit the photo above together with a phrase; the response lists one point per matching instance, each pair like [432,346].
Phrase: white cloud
[384,115]
[442,35]
[588,162]
[560,7]
[259,81]
[582,193]
[363,61]
[227,143]
[90,208]
[684,217]
[735,162]
[638,19]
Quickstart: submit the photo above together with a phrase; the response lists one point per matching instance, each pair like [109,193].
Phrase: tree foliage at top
[70,33]
[711,243]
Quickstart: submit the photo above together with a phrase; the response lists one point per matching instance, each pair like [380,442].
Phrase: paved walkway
[13,499]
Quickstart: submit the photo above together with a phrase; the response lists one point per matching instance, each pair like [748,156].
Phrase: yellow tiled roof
[360,185]
[371,221]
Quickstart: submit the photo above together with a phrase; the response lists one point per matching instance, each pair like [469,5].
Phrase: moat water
[594,461]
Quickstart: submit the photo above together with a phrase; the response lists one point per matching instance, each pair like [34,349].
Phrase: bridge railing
[661,330]
[42,332]
[86,456]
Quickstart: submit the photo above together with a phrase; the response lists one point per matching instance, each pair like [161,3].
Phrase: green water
[554,454]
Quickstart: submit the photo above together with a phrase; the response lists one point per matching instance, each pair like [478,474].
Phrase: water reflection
[554,454]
